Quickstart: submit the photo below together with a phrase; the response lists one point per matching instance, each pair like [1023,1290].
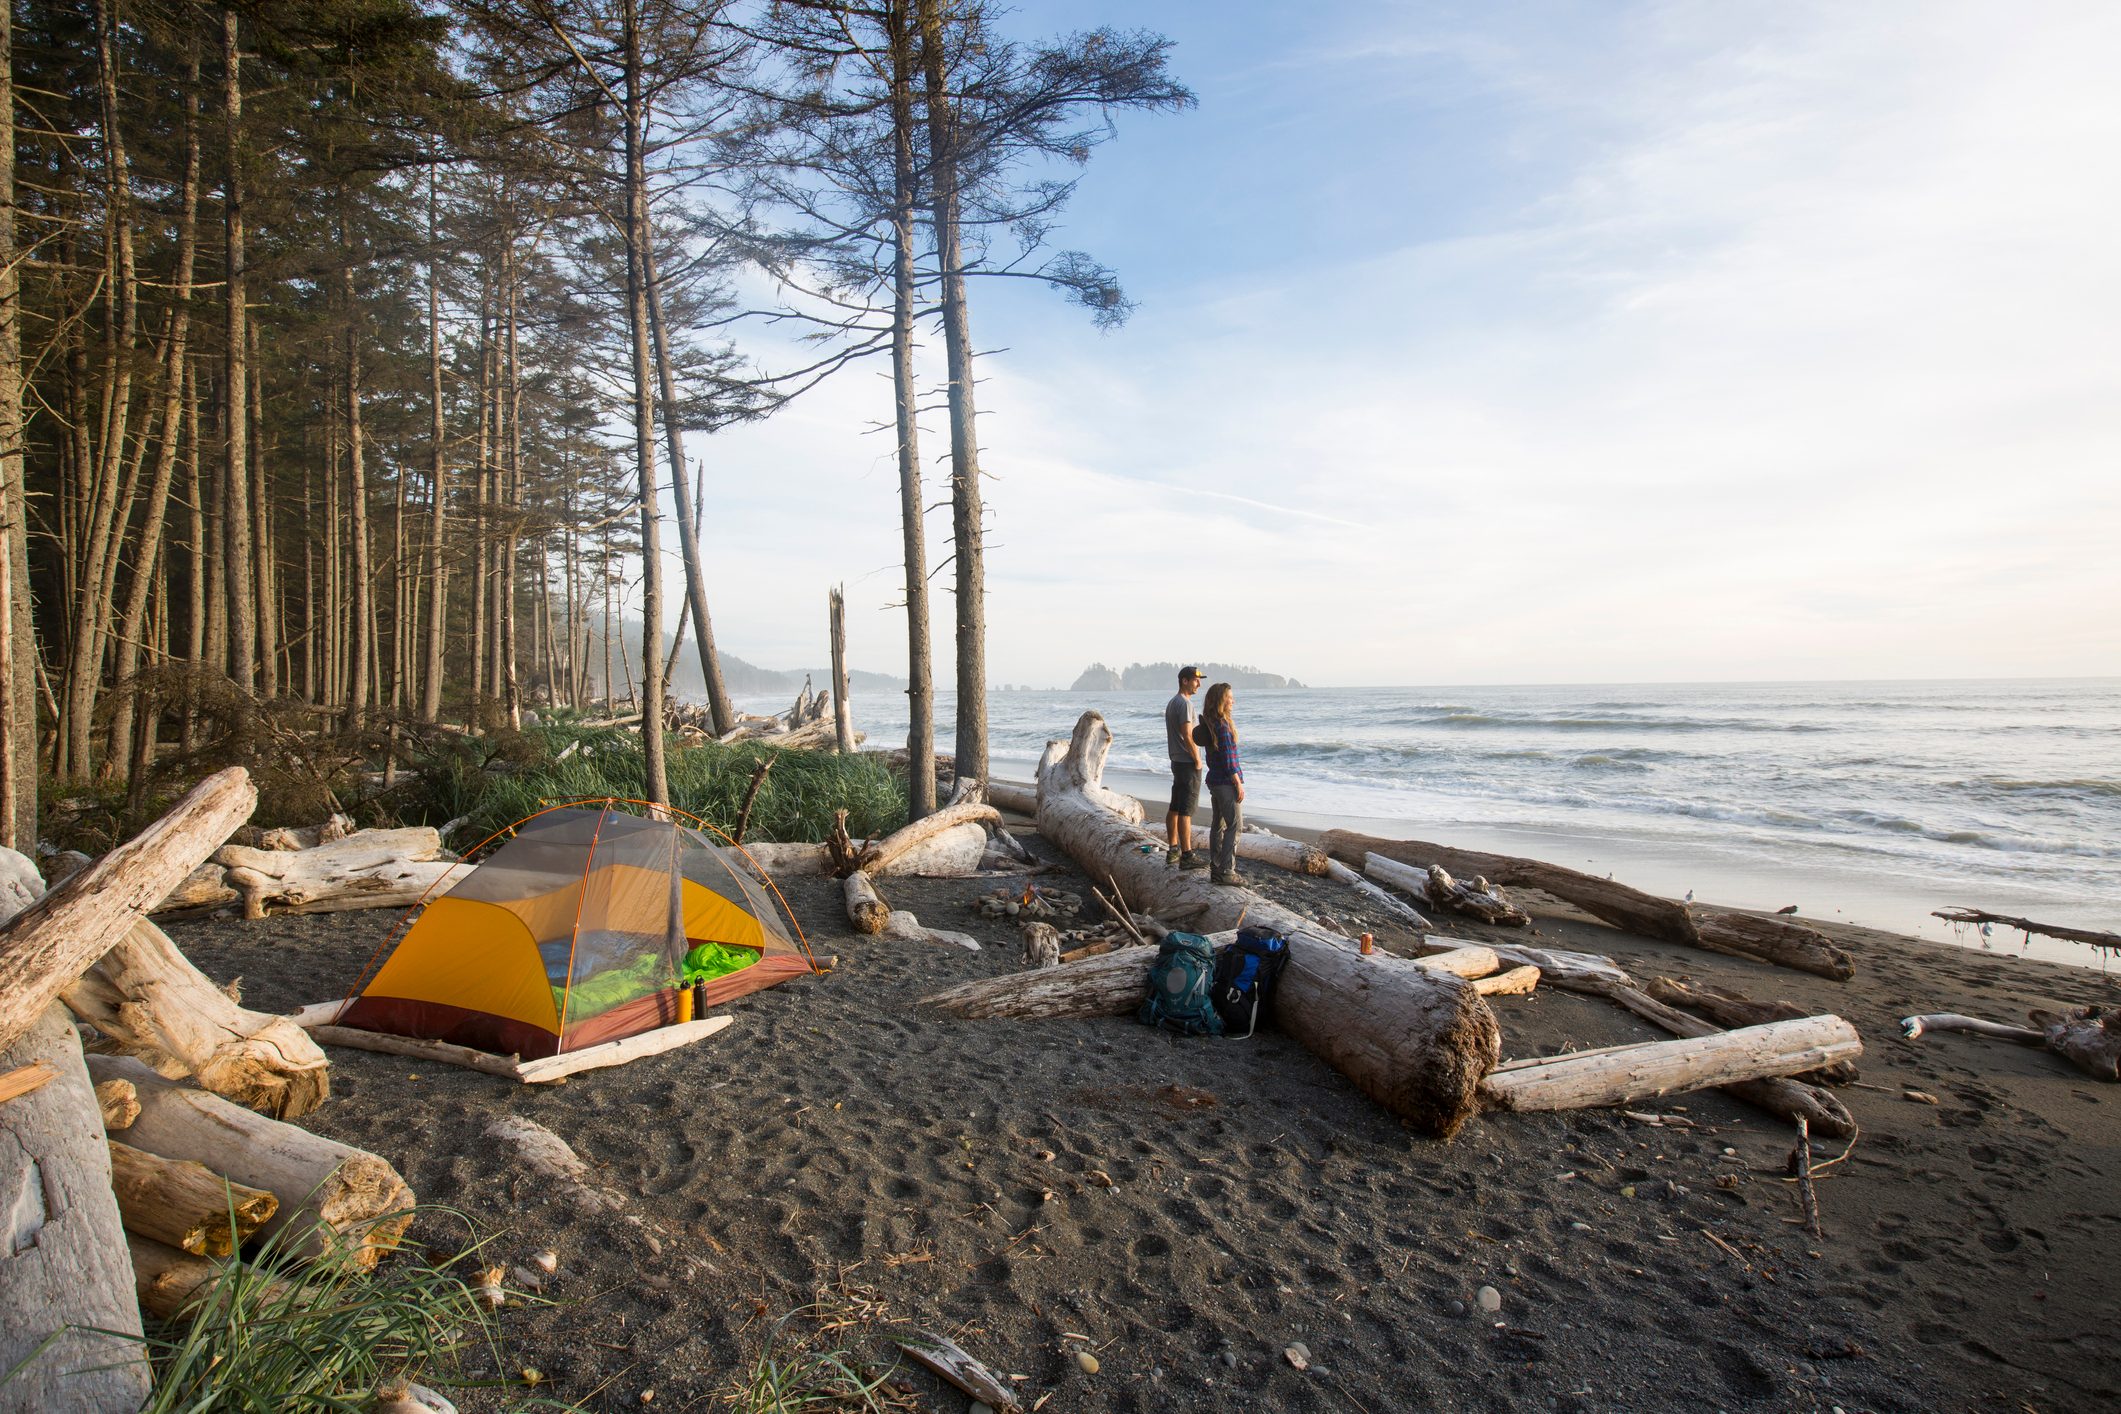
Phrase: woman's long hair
[1216,708]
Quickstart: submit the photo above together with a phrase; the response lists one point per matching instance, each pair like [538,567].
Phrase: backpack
[1245,971]
[1179,982]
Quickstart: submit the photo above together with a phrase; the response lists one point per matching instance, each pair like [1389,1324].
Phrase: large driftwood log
[2091,937]
[1476,898]
[1730,1009]
[1108,984]
[1792,1098]
[1773,940]
[1517,982]
[876,857]
[369,869]
[1577,971]
[326,1189]
[52,941]
[1014,797]
[206,887]
[146,996]
[337,828]
[63,1271]
[1296,856]
[952,853]
[2088,1037]
[184,1203]
[1627,1074]
[790,858]
[1414,1039]
[165,1279]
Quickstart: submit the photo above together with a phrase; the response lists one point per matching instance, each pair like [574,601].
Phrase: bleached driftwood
[1414,1039]
[329,1192]
[909,928]
[1631,910]
[877,856]
[546,1069]
[145,995]
[1476,898]
[64,1276]
[206,887]
[949,1360]
[184,1203]
[48,944]
[1574,970]
[551,1158]
[2090,937]
[337,828]
[368,869]
[320,1019]
[1789,1097]
[1340,873]
[24,1079]
[953,853]
[866,908]
[790,858]
[2088,1037]
[1470,961]
[1730,1009]
[1014,797]
[1295,856]
[1628,1074]
[1107,984]
[1517,982]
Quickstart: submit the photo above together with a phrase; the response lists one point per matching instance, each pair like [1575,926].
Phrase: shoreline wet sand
[1184,1210]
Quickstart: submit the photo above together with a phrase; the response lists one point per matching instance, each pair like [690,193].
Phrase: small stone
[1580,1227]
[1730,1153]
[1297,1354]
[1628,1192]
[1458,1308]
[531,1376]
[1489,1298]
[1229,1359]
[647,1396]
[1920,1097]
[548,1261]
[979,1408]
[1088,1361]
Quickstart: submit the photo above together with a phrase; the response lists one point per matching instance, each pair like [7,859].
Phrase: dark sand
[840,1146]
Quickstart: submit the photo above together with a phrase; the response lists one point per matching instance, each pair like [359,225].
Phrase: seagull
[1689,895]
[1787,909]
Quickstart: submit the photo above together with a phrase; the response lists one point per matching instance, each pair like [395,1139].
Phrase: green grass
[794,1375]
[491,783]
[275,1335]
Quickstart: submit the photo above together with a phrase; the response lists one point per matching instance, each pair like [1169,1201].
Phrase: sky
[1527,343]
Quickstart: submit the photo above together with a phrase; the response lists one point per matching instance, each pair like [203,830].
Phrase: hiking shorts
[1185,788]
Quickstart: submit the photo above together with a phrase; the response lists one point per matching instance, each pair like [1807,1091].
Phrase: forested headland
[360,358]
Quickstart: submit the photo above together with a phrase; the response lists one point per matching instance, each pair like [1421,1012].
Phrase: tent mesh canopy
[578,931]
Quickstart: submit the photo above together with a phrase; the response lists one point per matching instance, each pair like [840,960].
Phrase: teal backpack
[1181,986]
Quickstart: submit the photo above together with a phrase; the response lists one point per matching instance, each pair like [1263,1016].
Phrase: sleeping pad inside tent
[580,930]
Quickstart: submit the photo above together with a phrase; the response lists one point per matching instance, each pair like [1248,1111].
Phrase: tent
[578,931]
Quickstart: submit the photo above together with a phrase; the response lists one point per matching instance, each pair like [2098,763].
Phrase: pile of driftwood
[324,869]
[139,1165]
[809,724]
[1416,1034]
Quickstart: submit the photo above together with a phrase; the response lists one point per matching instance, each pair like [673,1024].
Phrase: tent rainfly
[580,931]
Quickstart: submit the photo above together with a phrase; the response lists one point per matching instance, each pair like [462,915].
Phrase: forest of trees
[349,348]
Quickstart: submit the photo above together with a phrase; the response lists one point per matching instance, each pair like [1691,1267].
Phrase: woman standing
[1226,785]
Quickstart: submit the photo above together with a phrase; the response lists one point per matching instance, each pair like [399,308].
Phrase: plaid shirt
[1223,765]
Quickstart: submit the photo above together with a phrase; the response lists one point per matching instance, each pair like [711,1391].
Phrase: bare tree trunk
[437,464]
[637,282]
[718,704]
[196,640]
[18,706]
[261,503]
[965,509]
[236,547]
[842,718]
[920,686]
[511,682]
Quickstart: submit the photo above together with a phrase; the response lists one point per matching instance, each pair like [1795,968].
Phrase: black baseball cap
[1188,671]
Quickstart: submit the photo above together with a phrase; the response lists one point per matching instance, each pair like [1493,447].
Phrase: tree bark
[437,474]
[236,545]
[328,1192]
[18,650]
[68,1278]
[1415,1040]
[657,777]
[905,284]
[842,718]
[1628,1074]
[44,948]
[146,996]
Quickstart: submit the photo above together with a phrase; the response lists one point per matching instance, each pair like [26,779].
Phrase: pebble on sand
[1489,1298]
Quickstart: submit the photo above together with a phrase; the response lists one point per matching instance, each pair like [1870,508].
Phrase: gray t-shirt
[1179,718]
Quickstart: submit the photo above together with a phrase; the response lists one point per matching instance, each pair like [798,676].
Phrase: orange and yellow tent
[581,929]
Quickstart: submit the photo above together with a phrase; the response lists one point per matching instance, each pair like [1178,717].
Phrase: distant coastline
[1138,677]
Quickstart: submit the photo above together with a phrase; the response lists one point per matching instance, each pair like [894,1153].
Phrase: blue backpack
[1245,971]
[1179,983]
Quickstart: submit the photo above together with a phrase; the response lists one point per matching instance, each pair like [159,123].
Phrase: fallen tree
[1773,940]
[1619,1075]
[1416,1040]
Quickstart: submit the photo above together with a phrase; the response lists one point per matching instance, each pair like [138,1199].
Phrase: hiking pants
[1227,820]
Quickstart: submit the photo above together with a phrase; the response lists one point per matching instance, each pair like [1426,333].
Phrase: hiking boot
[1171,857]
[1223,876]
[1193,859]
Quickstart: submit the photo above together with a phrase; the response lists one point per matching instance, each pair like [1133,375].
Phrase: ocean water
[1870,802]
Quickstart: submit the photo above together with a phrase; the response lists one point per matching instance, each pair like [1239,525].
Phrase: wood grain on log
[25,1079]
[1470,961]
[206,887]
[1108,984]
[330,1193]
[50,943]
[146,996]
[1390,902]
[1628,1074]
[1014,797]
[184,1203]
[1296,856]
[1416,1040]
[952,853]
[64,1276]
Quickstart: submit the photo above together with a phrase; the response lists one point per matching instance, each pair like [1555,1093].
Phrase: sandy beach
[1183,1211]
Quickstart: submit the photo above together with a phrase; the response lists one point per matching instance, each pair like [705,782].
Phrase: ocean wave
[1603,761]
[1622,722]
[2092,787]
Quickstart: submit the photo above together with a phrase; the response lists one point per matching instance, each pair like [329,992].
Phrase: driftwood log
[1476,897]
[866,908]
[337,828]
[1773,940]
[1730,1009]
[369,869]
[1014,797]
[184,1203]
[1416,1040]
[1106,984]
[1620,1075]
[1390,902]
[2088,1037]
[204,889]
[1296,856]
[145,996]
[2090,937]
[877,856]
[328,1192]
[47,945]
[64,1276]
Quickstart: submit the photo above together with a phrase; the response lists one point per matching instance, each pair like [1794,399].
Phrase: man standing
[1179,718]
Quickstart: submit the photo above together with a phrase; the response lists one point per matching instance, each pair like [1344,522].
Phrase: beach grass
[798,1374]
